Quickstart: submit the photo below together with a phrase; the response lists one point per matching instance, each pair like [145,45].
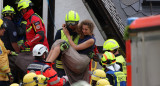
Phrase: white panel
[1,7]
[45,13]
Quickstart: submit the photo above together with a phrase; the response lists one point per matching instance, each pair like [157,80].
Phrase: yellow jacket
[4,63]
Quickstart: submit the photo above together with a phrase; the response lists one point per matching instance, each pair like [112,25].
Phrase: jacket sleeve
[4,65]
[54,80]
[39,29]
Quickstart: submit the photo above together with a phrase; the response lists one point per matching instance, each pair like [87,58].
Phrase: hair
[85,22]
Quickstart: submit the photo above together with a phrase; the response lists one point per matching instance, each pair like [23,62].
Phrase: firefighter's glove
[91,55]
[10,76]
[66,78]
[97,57]
[64,46]
[13,53]
[23,46]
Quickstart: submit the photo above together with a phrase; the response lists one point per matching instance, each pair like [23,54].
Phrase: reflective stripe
[58,62]
[59,66]
[4,68]
[1,73]
[37,66]
[74,15]
[55,82]
[20,42]
[64,81]
[29,28]
[98,76]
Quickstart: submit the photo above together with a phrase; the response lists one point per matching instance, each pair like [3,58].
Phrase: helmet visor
[72,23]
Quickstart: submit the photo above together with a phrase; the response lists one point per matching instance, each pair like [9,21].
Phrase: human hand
[66,32]
[66,78]
[23,46]
[13,53]
[10,76]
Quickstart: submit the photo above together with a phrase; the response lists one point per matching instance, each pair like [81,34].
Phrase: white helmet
[39,49]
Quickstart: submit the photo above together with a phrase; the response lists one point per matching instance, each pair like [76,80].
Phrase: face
[23,11]
[86,30]
[2,30]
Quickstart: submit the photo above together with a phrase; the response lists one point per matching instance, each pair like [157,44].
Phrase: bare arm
[81,46]
[15,47]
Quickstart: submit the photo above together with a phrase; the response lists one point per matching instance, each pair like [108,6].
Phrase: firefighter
[112,45]
[39,66]
[112,69]
[97,75]
[102,82]
[10,38]
[35,28]
[5,73]
[72,19]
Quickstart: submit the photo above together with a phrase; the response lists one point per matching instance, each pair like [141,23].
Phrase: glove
[10,76]
[66,78]
[97,57]
[14,53]
[64,46]
[23,46]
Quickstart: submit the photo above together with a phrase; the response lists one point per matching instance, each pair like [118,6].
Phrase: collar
[28,14]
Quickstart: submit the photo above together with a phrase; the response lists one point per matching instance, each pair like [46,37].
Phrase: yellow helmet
[14,84]
[22,4]
[110,44]
[72,16]
[30,79]
[42,80]
[102,82]
[8,10]
[108,58]
[2,24]
[98,74]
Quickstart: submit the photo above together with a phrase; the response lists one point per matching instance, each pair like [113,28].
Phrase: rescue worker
[97,75]
[35,28]
[72,19]
[10,38]
[5,73]
[41,67]
[112,45]
[112,69]
[102,82]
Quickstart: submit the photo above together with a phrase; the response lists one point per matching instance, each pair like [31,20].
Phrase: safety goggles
[4,25]
[72,23]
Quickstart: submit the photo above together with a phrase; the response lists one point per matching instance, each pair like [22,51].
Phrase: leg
[53,54]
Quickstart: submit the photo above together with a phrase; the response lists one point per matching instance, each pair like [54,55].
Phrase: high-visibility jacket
[46,70]
[35,30]
[120,60]
[63,37]
[4,63]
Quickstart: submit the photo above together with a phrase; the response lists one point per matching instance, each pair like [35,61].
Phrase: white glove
[66,78]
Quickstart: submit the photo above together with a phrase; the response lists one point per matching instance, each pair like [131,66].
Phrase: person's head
[30,79]
[86,27]
[102,82]
[72,19]
[97,75]
[40,51]
[42,80]
[111,45]
[14,84]
[3,26]
[8,11]
[24,6]
[108,58]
